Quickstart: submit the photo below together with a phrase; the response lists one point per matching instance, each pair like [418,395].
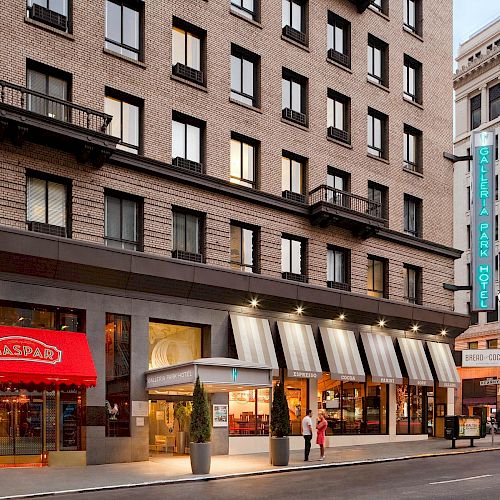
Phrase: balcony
[183,71]
[330,206]
[339,57]
[36,117]
[295,35]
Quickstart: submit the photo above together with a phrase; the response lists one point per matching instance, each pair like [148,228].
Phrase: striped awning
[417,366]
[382,359]
[343,354]
[301,355]
[445,368]
[254,342]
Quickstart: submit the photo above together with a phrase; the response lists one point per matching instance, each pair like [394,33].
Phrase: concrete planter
[201,456]
[280,451]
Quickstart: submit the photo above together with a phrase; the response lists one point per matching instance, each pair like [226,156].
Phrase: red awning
[49,357]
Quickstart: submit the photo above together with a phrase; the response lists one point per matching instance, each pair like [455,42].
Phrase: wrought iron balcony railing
[54,108]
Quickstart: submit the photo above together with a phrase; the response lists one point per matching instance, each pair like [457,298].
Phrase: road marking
[462,479]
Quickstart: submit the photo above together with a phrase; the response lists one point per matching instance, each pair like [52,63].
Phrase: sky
[471,15]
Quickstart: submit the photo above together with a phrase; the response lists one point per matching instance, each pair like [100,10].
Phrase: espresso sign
[17,348]
[483,221]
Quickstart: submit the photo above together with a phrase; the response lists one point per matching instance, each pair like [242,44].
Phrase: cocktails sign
[483,221]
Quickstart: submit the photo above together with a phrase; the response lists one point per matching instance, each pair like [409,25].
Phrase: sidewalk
[161,469]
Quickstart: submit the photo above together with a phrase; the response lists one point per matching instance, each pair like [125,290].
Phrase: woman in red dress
[320,439]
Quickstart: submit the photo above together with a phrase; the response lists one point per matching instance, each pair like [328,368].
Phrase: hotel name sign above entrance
[483,221]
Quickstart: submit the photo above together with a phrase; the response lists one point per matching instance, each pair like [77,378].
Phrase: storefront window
[296,395]
[40,316]
[353,407]
[117,375]
[173,344]
[249,412]
[410,409]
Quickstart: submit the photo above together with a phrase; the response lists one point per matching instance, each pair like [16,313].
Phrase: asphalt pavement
[456,476]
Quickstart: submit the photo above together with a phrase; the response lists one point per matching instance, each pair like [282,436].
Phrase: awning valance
[254,342]
[442,359]
[382,359]
[417,366]
[28,355]
[301,354]
[343,354]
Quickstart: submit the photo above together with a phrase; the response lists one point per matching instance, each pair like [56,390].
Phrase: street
[459,477]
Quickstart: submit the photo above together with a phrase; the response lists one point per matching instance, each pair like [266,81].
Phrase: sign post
[483,221]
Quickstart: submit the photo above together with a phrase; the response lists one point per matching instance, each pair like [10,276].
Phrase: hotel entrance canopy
[216,374]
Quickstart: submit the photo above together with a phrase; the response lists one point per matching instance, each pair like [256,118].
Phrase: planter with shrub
[199,431]
[279,427]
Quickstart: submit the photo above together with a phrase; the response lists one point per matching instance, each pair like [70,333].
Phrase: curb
[262,472]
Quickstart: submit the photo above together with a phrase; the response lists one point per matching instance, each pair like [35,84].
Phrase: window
[411,409]
[380,6]
[494,96]
[292,258]
[187,47]
[187,232]
[472,345]
[377,133]
[243,248]
[121,222]
[377,61]
[492,316]
[468,197]
[412,145]
[123,25]
[412,284]
[412,15]
[337,268]
[243,161]
[474,316]
[338,118]
[338,182]
[377,195]
[55,13]
[413,215]
[293,103]
[126,120]
[187,148]
[469,277]
[117,375]
[294,20]
[52,83]
[475,111]
[249,412]
[244,81]
[412,80]
[246,8]
[292,177]
[339,39]
[492,343]
[468,237]
[47,207]
[376,282]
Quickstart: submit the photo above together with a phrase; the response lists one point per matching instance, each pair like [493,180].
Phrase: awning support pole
[58,416]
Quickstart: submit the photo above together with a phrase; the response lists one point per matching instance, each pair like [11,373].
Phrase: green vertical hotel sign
[483,222]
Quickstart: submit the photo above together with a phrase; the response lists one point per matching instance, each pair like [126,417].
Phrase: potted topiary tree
[279,427]
[182,410]
[200,429]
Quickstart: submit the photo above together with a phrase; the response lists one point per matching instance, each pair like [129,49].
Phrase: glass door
[6,426]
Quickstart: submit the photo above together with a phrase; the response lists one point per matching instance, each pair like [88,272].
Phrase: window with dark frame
[412,15]
[246,8]
[243,161]
[469,241]
[412,215]
[474,315]
[339,183]
[187,142]
[188,51]
[123,28]
[293,97]
[339,39]
[494,101]
[293,258]
[292,177]
[244,76]
[380,6]
[377,194]
[338,268]
[55,13]
[338,116]
[377,61]
[475,111]
[187,235]
[412,149]
[412,80]
[492,316]
[293,20]
[122,224]
[473,345]
[376,278]
[412,284]
[244,241]
[377,133]
[492,343]
[47,206]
